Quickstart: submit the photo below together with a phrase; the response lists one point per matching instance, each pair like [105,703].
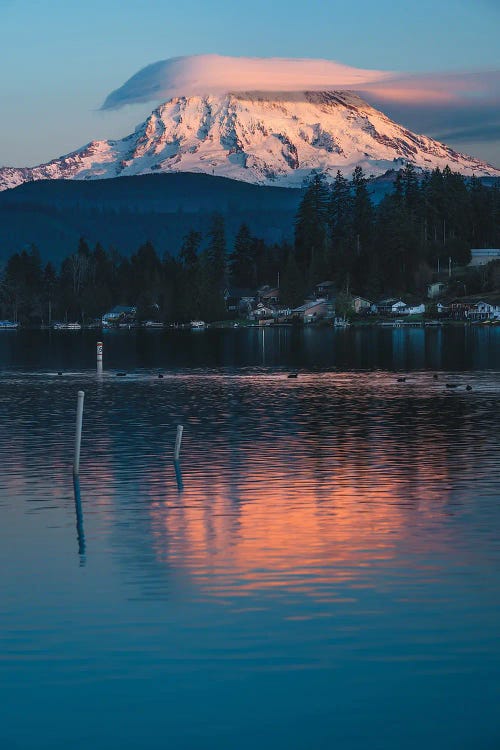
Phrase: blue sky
[61,59]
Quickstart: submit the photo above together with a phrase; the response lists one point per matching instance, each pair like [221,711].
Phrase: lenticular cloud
[202,74]
[425,102]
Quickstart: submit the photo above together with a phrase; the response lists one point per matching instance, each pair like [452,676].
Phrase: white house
[483,256]
[392,305]
[435,289]
[262,311]
[484,311]
[414,309]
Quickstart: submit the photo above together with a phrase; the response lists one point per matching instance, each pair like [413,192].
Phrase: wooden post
[99,357]
[80,531]
[178,441]
[78,433]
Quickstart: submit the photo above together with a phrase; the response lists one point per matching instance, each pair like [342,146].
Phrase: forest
[426,225]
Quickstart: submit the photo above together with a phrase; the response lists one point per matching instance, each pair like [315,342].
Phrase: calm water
[328,577]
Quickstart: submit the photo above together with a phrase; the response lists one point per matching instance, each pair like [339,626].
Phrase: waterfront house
[325,290]
[414,309]
[485,310]
[389,306]
[119,314]
[263,312]
[313,310]
[239,301]
[268,295]
[483,256]
[360,304]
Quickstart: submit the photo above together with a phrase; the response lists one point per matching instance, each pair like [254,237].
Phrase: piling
[178,441]
[178,476]
[78,433]
[99,357]
[80,531]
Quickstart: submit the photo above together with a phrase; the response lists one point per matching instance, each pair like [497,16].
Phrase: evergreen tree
[188,292]
[292,283]
[362,212]
[242,260]
[340,254]
[216,251]
[188,253]
[311,224]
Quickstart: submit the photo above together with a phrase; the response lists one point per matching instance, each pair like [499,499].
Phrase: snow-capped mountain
[271,139]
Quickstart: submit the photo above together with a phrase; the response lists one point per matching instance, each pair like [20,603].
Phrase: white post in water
[99,357]
[78,434]
[178,441]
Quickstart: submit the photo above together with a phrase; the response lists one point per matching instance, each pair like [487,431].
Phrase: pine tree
[242,263]
[362,225]
[188,292]
[311,224]
[188,253]
[340,229]
[216,251]
[292,283]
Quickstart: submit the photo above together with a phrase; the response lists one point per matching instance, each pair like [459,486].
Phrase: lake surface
[322,572]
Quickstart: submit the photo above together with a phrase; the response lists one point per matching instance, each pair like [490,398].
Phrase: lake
[323,570]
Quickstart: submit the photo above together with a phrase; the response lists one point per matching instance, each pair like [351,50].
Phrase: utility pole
[449,267]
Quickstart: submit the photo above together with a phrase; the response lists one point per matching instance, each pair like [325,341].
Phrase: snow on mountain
[269,139]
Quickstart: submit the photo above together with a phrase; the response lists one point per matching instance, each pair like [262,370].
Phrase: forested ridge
[393,248]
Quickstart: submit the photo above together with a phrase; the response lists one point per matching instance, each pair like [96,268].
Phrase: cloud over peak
[215,74]
[467,102]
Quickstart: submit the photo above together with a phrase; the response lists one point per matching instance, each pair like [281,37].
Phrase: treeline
[339,234]
[395,247]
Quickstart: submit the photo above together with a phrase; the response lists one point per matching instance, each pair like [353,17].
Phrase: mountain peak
[274,138]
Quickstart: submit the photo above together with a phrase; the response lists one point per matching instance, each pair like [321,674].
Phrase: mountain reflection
[324,522]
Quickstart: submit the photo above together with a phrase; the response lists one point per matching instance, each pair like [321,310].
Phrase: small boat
[153,324]
[198,325]
[341,323]
[8,325]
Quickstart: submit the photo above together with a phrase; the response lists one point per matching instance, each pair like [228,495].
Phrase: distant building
[263,312]
[119,314]
[436,289]
[313,310]
[390,306]
[395,306]
[239,301]
[268,295]
[360,304]
[483,256]
[414,309]
[485,310]
[325,290]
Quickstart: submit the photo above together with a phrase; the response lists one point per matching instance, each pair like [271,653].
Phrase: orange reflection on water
[300,529]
